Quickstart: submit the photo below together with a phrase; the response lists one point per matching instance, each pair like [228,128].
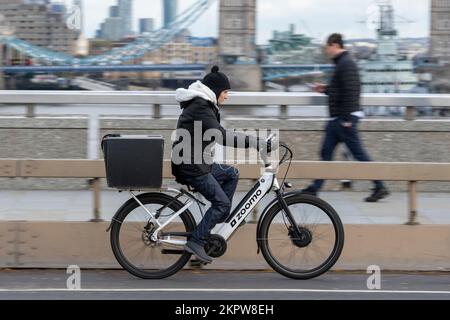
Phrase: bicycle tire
[149,198]
[331,259]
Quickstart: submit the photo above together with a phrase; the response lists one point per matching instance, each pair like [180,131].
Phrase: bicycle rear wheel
[131,240]
[309,251]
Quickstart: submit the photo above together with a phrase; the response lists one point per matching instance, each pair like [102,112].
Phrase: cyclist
[216,182]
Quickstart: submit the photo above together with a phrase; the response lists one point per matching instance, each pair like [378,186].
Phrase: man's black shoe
[309,191]
[198,251]
[378,194]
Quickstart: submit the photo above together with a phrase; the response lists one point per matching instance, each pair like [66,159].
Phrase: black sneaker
[309,191]
[197,264]
[198,251]
[378,194]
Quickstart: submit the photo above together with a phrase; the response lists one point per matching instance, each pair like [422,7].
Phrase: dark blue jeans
[336,133]
[217,187]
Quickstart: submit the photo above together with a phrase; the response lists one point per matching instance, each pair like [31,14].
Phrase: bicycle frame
[263,186]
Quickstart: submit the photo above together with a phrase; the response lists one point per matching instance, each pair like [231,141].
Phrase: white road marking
[222,290]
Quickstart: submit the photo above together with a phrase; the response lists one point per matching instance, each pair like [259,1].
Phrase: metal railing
[94,169]
[390,171]
[156,99]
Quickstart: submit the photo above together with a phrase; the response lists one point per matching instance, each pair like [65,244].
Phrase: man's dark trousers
[218,187]
[335,133]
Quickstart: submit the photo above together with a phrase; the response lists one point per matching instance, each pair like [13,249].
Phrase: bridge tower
[237,44]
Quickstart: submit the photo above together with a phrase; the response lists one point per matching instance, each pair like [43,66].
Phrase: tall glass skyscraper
[125,12]
[170,11]
[146,25]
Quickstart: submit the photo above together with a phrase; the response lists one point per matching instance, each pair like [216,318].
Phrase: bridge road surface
[43,284]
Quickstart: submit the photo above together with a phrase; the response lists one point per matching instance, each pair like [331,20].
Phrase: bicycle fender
[114,218]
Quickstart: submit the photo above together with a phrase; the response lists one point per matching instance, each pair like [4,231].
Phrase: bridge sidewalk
[49,229]
[24,205]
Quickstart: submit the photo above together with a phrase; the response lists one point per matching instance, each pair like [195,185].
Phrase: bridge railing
[156,100]
[410,172]
[390,171]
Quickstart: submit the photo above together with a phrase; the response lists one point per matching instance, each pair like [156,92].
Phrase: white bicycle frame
[263,186]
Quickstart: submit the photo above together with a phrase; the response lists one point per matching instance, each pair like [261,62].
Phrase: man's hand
[319,87]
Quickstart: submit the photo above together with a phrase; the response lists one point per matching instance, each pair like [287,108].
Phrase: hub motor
[300,238]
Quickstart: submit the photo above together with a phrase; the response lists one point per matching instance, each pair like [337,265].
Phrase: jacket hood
[195,90]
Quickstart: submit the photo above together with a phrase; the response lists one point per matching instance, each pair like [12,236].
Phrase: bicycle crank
[216,246]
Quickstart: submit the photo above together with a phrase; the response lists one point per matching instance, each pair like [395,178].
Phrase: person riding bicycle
[192,161]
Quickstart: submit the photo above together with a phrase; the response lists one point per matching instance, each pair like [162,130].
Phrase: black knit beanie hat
[216,81]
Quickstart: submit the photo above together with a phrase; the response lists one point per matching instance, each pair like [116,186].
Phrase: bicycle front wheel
[309,250]
[132,242]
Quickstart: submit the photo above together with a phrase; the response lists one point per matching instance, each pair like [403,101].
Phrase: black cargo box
[133,162]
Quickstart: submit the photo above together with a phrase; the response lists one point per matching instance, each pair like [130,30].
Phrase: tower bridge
[237,49]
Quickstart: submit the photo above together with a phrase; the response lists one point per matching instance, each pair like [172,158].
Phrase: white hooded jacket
[197,89]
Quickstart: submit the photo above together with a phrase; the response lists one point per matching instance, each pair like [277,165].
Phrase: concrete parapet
[86,244]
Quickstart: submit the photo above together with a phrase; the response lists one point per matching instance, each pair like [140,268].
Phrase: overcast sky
[315,18]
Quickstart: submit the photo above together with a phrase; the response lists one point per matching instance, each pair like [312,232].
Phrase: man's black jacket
[344,88]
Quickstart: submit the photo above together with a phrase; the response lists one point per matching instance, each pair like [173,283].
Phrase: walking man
[345,111]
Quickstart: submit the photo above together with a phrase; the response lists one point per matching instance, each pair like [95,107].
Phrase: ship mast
[387,21]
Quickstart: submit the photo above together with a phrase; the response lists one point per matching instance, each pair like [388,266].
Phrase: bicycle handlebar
[288,155]
[270,138]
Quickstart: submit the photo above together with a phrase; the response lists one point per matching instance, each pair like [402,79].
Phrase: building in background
[41,23]
[125,12]
[185,49]
[204,50]
[146,25]
[289,47]
[387,71]
[118,24]
[440,30]
[112,29]
[114,11]
[170,9]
